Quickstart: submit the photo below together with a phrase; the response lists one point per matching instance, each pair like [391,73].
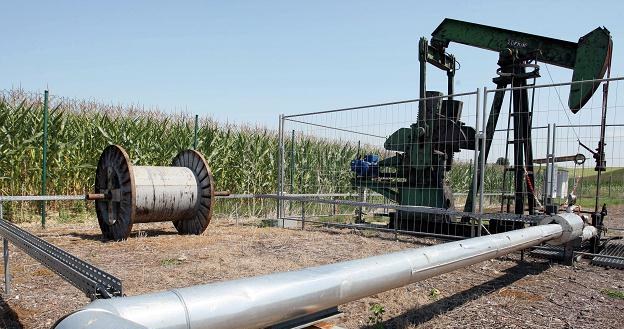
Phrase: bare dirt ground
[501,293]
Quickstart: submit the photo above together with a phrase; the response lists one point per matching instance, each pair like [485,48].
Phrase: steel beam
[94,282]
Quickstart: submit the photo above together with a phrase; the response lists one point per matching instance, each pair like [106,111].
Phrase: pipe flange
[571,224]
[205,190]
[114,178]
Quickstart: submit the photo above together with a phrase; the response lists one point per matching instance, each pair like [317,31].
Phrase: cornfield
[243,158]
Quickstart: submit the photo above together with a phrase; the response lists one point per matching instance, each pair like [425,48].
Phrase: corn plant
[243,159]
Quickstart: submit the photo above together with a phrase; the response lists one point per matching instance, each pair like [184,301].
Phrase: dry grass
[498,293]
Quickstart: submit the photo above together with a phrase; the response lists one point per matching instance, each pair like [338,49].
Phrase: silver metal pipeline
[262,301]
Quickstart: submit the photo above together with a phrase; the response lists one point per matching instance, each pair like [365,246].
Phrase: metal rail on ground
[4,198]
[321,199]
[377,228]
[95,283]
[419,209]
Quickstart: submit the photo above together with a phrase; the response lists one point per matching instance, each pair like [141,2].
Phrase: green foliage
[243,159]
[613,293]
[376,317]
[502,161]
[170,262]
[611,185]
[460,177]
[64,216]
[434,293]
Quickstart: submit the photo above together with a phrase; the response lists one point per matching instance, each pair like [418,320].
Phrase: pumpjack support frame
[519,57]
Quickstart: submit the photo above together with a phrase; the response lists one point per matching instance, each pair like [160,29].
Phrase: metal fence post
[45,156]
[303,218]
[475,160]
[552,172]
[482,153]
[292,162]
[546,199]
[280,170]
[360,190]
[302,203]
[5,257]
[7,274]
[195,134]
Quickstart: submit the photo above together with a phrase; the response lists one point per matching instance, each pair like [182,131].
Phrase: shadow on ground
[8,318]
[419,241]
[427,312]
[133,234]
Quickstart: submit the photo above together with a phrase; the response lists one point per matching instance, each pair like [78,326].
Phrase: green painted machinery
[588,58]
[416,175]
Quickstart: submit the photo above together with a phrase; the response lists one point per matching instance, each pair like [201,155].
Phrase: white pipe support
[589,232]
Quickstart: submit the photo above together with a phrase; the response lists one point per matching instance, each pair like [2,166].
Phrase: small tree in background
[502,161]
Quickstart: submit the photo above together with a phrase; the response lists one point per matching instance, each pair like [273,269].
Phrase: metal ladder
[507,194]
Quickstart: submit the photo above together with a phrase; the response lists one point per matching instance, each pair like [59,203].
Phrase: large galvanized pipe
[262,301]
[126,194]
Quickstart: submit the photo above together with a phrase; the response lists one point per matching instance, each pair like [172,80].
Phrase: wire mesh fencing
[533,151]
[420,152]
[417,152]
[242,158]
[542,151]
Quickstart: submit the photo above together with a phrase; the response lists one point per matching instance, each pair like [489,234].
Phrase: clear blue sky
[248,61]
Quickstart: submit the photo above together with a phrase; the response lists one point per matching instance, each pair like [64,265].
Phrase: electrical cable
[562,106]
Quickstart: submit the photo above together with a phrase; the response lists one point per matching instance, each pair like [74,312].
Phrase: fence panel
[557,134]
[381,154]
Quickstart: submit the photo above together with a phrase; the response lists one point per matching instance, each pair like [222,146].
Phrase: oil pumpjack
[416,175]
